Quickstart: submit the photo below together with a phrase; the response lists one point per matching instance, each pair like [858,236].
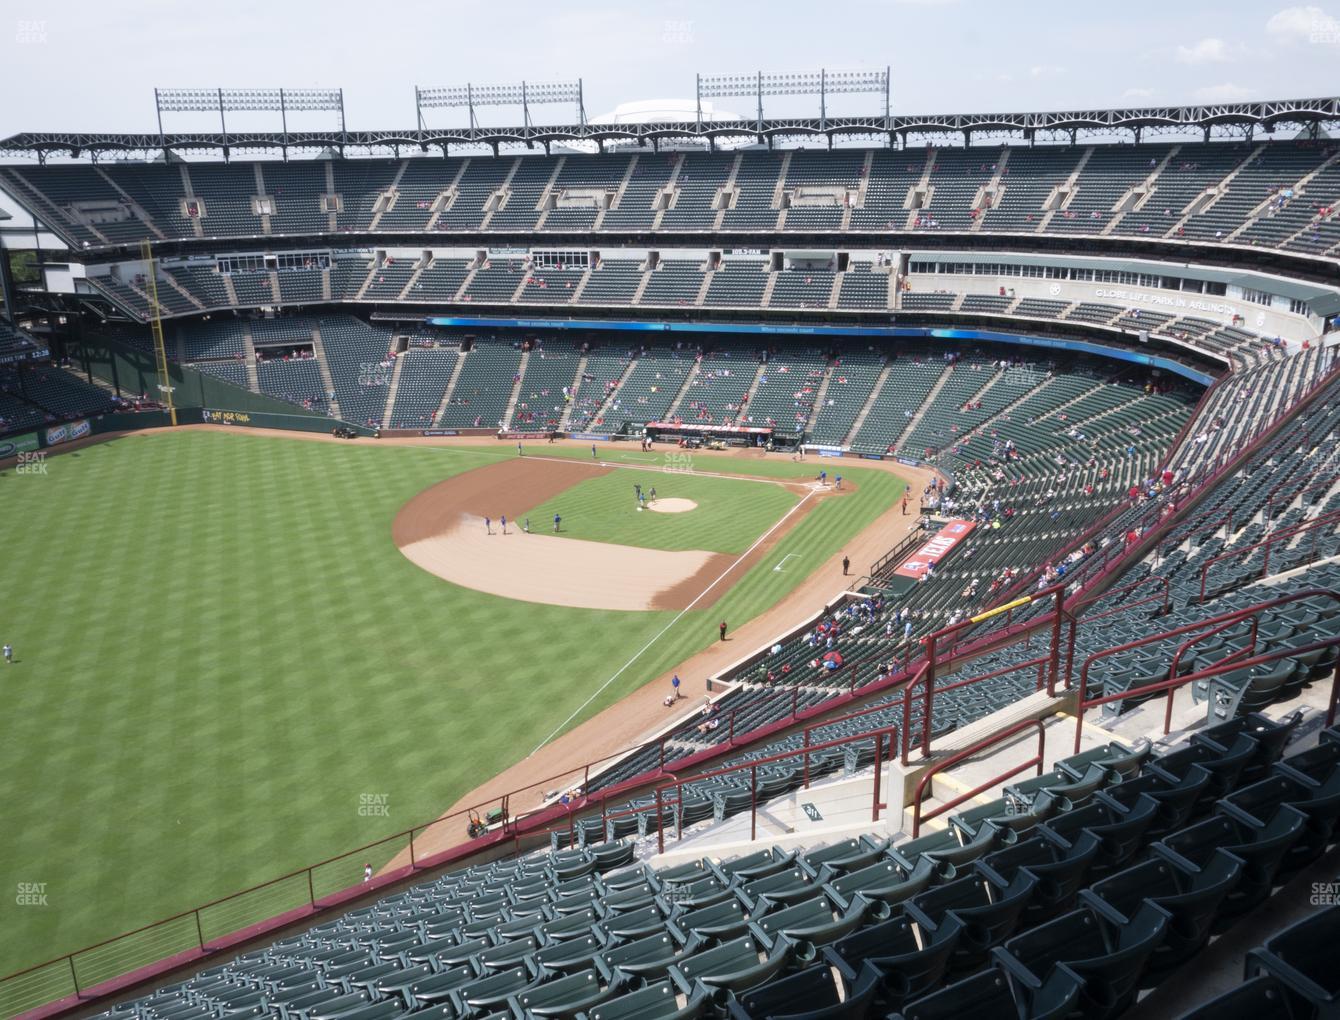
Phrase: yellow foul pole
[156,324]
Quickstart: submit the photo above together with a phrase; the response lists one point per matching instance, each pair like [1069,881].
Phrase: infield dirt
[443,530]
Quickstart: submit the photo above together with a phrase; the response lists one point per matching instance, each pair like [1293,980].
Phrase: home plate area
[672,505]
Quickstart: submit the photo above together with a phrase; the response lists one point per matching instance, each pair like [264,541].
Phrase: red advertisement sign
[935,550]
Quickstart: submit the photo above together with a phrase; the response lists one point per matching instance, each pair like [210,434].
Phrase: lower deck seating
[484,386]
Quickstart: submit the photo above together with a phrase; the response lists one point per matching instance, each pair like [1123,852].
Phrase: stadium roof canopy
[1228,119]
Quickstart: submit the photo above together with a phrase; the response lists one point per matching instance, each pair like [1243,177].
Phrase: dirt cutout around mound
[443,531]
[673,505]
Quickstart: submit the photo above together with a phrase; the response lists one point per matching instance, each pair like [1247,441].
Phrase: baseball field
[238,654]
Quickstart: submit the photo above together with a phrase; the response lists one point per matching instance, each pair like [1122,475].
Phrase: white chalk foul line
[641,651]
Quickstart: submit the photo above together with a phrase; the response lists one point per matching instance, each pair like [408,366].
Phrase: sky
[77,65]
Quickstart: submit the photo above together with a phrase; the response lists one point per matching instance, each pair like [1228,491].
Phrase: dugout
[707,435]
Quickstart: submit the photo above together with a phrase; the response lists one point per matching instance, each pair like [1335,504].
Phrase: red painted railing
[1202,629]
[996,738]
[1286,535]
[1048,665]
[885,737]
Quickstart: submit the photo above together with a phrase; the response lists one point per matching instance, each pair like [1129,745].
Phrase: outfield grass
[730,515]
[221,656]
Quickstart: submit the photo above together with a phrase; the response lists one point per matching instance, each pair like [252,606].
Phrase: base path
[442,530]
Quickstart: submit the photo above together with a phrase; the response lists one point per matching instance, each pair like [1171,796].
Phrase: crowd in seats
[737,283]
[786,390]
[484,387]
[852,378]
[872,641]
[545,387]
[601,376]
[423,382]
[650,388]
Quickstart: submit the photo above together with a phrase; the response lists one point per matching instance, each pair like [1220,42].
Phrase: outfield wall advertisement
[66,433]
[13,445]
[265,420]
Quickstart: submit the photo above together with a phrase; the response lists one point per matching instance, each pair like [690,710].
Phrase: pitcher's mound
[672,506]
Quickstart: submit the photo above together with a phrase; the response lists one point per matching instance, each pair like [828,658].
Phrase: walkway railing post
[660,822]
[1056,642]
[929,699]
[1335,691]
[879,772]
[753,803]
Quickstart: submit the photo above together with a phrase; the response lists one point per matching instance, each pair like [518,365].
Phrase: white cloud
[1045,71]
[1208,51]
[1225,93]
[1300,24]
[1138,94]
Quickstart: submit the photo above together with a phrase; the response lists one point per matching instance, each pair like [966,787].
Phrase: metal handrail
[677,783]
[909,540]
[1084,702]
[927,673]
[1244,447]
[1301,486]
[1212,671]
[1017,667]
[977,748]
[1284,534]
[1075,607]
[1200,625]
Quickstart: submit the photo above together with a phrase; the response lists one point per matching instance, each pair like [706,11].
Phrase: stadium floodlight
[794,83]
[524,94]
[267,100]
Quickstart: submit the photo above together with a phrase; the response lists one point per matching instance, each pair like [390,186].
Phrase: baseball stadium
[675,564]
